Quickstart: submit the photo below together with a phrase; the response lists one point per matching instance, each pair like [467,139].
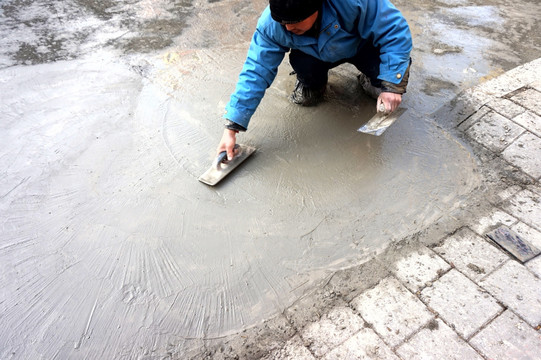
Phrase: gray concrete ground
[456,296]
[110,248]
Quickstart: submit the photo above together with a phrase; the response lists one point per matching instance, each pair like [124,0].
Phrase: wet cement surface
[110,246]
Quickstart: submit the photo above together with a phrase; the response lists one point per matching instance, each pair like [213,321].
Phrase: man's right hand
[227,143]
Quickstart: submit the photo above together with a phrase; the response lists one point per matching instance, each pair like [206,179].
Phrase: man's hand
[390,100]
[227,143]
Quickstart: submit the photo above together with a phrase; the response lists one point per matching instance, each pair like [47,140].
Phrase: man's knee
[311,72]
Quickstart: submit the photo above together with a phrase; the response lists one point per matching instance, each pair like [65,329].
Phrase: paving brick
[528,233]
[419,267]
[535,265]
[311,308]
[525,153]
[495,131]
[508,192]
[461,303]
[536,188]
[392,310]
[364,345]
[471,254]
[536,85]
[437,341]
[331,330]
[492,221]
[530,99]
[292,350]
[351,282]
[526,206]
[518,289]
[474,118]
[506,107]
[530,121]
[508,337]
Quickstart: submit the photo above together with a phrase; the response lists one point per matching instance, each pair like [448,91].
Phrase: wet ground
[110,112]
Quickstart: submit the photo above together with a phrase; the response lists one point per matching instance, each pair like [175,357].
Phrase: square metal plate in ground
[514,244]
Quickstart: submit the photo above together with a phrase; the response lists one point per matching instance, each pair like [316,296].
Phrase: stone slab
[331,330]
[437,341]
[535,266]
[508,192]
[471,254]
[508,337]
[419,268]
[526,206]
[393,312]
[495,131]
[495,219]
[351,282]
[292,350]
[536,188]
[530,121]
[519,289]
[511,80]
[513,243]
[536,85]
[364,345]
[530,99]
[506,107]
[475,117]
[525,153]
[461,303]
[310,308]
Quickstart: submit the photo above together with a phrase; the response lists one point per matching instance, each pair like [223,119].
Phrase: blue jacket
[346,25]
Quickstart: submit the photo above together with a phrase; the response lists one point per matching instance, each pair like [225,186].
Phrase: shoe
[367,86]
[305,96]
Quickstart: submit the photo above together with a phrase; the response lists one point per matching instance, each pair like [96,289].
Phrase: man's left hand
[390,100]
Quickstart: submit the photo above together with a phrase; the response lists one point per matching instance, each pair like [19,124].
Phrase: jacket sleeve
[389,31]
[258,73]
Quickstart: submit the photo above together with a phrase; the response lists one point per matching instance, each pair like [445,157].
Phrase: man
[321,34]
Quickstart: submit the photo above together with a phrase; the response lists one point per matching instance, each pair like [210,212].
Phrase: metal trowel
[381,121]
[221,167]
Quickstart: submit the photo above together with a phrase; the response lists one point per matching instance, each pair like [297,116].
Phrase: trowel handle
[219,159]
[222,157]
[381,107]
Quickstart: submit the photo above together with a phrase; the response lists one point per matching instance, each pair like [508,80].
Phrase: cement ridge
[328,323]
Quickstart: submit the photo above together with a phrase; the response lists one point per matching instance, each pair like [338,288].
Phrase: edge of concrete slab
[499,179]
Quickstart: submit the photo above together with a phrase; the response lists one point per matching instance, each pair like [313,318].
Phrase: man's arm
[258,73]
[390,32]
[259,70]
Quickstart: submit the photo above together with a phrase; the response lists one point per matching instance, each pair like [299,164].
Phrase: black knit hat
[293,11]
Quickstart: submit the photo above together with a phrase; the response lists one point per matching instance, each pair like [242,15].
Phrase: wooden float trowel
[221,167]
[381,121]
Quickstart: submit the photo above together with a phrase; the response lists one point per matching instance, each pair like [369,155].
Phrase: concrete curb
[451,292]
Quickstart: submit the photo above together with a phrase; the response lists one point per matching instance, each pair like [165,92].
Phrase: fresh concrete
[459,296]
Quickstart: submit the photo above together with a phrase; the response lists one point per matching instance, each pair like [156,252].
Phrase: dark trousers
[313,73]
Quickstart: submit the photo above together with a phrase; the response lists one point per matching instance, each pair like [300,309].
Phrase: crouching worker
[321,34]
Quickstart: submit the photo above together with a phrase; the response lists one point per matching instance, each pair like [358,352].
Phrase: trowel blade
[221,168]
[380,122]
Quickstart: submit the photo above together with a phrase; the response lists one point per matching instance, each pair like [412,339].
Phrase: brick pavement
[465,297]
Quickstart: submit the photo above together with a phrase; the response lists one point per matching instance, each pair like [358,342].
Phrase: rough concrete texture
[111,249]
